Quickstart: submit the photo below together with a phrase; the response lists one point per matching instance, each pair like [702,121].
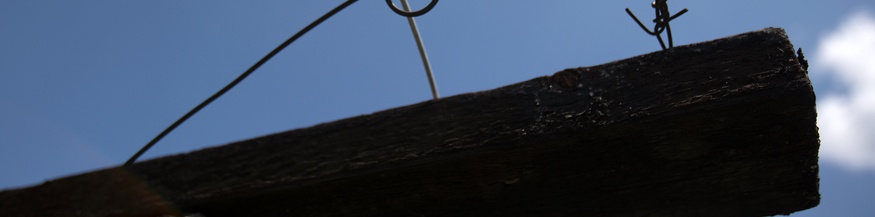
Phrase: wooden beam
[720,128]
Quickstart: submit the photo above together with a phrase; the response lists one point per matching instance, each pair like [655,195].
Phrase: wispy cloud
[847,118]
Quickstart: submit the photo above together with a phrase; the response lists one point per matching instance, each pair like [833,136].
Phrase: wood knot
[566,78]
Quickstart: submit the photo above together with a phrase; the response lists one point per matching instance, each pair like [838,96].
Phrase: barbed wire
[663,17]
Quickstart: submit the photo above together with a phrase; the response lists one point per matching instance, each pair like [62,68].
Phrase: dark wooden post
[720,128]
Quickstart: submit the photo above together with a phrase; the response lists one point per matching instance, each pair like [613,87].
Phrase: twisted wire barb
[663,17]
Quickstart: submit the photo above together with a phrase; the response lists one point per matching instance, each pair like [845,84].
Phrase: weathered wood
[720,128]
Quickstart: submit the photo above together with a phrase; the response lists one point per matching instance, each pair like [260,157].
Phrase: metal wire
[407,13]
[663,17]
[419,44]
[238,80]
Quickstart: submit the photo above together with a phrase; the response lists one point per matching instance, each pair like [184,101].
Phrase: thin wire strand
[238,80]
[422,52]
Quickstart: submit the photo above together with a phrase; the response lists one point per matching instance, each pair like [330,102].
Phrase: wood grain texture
[719,128]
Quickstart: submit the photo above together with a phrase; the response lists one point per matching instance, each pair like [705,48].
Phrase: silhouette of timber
[719,128]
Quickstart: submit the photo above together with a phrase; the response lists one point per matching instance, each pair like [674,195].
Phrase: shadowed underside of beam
[719,128]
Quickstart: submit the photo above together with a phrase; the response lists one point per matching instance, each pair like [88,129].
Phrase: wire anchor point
[663,17]
[413,28]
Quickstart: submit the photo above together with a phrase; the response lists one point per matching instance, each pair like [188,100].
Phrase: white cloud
[847,120]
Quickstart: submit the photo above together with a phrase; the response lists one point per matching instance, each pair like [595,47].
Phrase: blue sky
[84,84]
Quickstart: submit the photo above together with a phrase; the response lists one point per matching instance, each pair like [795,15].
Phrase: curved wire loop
[663,17]
[411,13]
